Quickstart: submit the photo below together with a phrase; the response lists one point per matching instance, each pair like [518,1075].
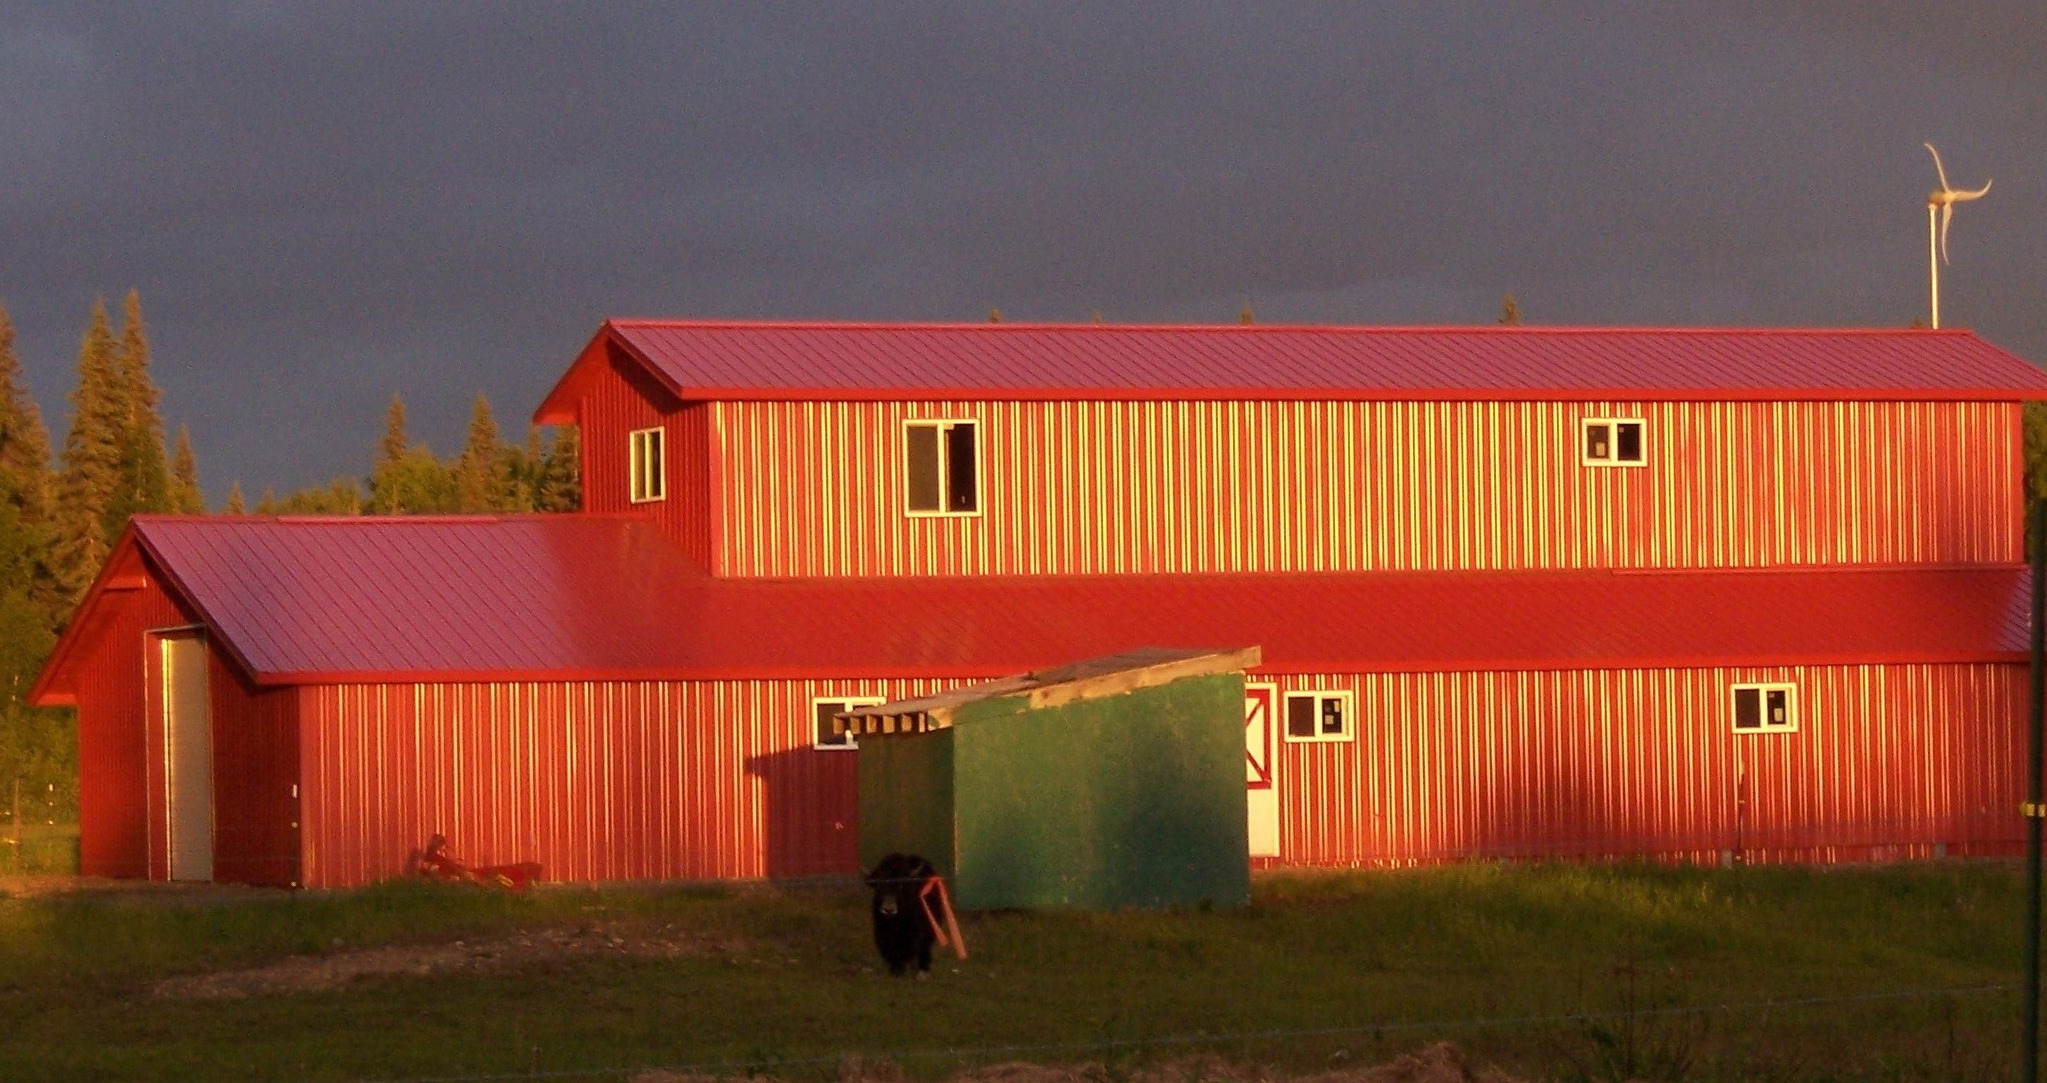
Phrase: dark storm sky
[323,204]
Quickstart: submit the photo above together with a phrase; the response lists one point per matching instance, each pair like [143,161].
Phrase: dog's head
[895,879]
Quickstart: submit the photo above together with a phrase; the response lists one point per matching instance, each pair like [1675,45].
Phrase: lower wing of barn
[307,702]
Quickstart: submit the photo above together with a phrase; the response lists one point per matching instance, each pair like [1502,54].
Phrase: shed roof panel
[587,597]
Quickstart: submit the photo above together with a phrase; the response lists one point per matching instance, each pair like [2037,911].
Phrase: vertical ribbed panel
[255,767]
[622,403]
[808,489]
[1888,761]
[120,744]
[604,780]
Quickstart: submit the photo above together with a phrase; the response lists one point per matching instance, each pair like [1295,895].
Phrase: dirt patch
[129,891]
[1438,1063]
[317,973]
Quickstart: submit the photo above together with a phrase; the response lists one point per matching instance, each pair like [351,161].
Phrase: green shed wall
[1135,800]
[906,798]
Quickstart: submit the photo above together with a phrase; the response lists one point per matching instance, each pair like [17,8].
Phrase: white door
[188,756]
[1261,767]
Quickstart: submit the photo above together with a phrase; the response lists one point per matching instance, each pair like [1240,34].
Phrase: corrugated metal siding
[596,780]
[1887,761]
[815,489]
[255,772]
[120,743]
[621,401]
[705,780]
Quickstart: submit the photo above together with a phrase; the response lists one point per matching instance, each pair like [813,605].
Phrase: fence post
[2036,729]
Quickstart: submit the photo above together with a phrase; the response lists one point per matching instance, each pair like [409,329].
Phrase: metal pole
[1933,263]
[2037,513]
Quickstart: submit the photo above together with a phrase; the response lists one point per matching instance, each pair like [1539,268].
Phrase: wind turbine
[1944,199]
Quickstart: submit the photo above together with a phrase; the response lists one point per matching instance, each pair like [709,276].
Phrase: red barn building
[1695,594]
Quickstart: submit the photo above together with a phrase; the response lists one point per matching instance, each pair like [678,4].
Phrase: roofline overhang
[997,670]
[133,539]
[559,407]
[1298,394]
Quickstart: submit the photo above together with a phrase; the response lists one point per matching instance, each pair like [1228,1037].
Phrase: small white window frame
[638,454]
[1611,424]
[1319,695]
[847,703]
[1763,689]
[945,425]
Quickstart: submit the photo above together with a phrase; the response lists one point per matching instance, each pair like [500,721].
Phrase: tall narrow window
[646,467]
[1319,716]
[1765,708]
[942,467]
[1613,441]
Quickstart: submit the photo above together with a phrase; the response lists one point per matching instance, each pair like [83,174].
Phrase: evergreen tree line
[486,476]
[58,521]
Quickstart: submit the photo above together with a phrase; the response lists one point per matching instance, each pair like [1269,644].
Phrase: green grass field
[1547,971]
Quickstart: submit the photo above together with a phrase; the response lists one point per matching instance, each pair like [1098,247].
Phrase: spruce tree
[29,600]
[24,442]
[560,486]
[145,482]
[480,471]
[186,497]
[407,479]
[391,450]
[235,504]
[92,460]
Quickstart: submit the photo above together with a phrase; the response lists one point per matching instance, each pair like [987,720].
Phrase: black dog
[902,932]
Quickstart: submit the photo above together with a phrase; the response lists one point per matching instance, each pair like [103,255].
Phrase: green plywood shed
[1116,782]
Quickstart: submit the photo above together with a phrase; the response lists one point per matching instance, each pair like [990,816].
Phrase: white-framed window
[942,467]
[1320,716]
[646,466]
[1765,708]
[823,733]
[1613,441]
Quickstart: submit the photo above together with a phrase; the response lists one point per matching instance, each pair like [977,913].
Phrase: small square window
[1613,441]
[646,467]
[942,465]
[825,730]
[1765,708]
[1320,716]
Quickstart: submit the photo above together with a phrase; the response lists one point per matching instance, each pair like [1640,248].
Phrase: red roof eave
[1296,394]
[832,671]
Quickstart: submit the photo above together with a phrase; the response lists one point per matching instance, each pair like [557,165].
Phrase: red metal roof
[574,597]
[705,361]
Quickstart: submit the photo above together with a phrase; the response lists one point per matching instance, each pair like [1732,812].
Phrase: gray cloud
[323,204]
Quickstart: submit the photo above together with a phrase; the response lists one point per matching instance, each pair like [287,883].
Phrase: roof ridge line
[1253,329]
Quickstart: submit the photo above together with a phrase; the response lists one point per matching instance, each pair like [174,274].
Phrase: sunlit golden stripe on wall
[1887,761]
[1123,487]
[599,780]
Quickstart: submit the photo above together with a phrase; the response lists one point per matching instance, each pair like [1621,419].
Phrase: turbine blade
[1937,167]
[1947,214]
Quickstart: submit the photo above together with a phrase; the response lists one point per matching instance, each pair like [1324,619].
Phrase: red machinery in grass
[435,863]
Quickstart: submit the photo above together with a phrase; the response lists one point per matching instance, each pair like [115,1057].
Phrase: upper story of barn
[800,450]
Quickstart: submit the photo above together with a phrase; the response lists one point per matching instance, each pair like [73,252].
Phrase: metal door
[1261,767]
[188,756]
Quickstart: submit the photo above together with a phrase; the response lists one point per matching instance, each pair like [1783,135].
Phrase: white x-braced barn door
[1261,767]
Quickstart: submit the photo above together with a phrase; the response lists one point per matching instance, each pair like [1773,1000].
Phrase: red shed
[1694,594]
